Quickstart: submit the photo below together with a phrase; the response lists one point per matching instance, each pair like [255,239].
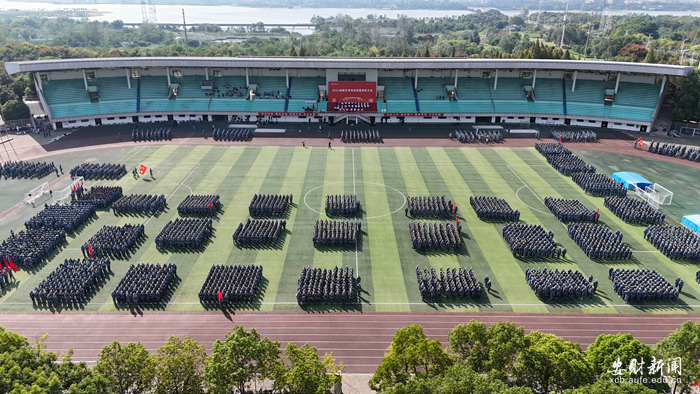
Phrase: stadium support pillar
[206,73]
[663,85]
[128,78]
[495,81]
[573,85]
[37,82]
[287,76]
[617,82]
[167,69]
[534,79]
[85,79]
[456,74]
[247,82]
[415,80]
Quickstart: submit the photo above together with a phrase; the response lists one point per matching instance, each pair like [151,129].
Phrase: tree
[301,372]
[180,367]
[551,364]
[292,52]
[650,57]
[426,53]
[128,369]
[605,387]
[457,379]
[30,369]
[686,106]
[492,351]
[682,344]
[241,358]
[15,109]
[411,354]
[628,352]
[635,52]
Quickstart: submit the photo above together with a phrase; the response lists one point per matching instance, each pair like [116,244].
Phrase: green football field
[381,178]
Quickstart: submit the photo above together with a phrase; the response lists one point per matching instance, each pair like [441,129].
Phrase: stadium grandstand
[101,91]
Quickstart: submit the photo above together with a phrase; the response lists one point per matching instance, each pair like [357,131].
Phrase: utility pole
[563,27]
[588,36]
[184,26]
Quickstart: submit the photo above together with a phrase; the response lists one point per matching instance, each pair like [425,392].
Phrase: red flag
[457,221]
[640,142]
[219,295]
[560,140]
[90,250]
[210,207]
[6,265]
[142,169]
[12,265]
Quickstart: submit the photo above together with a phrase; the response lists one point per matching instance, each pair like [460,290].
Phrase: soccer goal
[60,196]
[655,195]
[35,193]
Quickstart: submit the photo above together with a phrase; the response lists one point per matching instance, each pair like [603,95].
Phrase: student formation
[75,280]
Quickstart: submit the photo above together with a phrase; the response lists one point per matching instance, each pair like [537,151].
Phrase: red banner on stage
[352,96]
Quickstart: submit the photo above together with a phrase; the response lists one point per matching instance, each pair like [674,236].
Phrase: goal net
[60,196]
[35,193]
[655,195]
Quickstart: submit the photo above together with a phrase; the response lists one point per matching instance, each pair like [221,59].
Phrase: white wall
[78,123]
[585,123]
[544,121]
[623,126]
[152,118]
[117,120]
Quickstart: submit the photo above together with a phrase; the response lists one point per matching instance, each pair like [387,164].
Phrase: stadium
[104,91]
[295,198]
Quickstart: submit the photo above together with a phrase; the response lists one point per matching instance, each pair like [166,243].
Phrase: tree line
[498,359]
[180,366]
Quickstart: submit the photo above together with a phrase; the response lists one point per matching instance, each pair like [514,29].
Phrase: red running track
[357,339]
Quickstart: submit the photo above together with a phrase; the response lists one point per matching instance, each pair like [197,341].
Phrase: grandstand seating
[474,89]
[587,91]
[510,89]
[397,89]
[401,105]
[115,88]
[429,88]
[637,94]
[154,87]
[634,102]
[190,86]
[64,91]
[548,89]
[305,88]
[269,84]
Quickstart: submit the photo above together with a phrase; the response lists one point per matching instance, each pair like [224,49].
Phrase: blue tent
[693,222]
[629,179]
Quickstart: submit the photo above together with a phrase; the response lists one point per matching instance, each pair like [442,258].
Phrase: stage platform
[630,179]
[692,222]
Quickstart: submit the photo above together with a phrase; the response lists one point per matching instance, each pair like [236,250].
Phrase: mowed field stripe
[427,181]
[386,265]
[479,248]
[634,236]
[504,265]
[334,183]
[436,185]
[575,258]
[273,259]
[210,184]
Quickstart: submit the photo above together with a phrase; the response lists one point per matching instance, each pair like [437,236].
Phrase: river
[131,13]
